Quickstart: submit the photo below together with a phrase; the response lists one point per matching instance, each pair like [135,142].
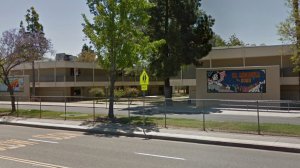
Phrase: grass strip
[227,126]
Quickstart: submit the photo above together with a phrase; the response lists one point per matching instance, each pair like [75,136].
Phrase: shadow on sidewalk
[115,128]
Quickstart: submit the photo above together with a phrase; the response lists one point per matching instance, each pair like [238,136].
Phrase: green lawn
[242,127]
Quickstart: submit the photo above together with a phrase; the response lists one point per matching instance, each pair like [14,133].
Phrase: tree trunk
[33,80]
[168,92]
[167,87]
[12,99]
[111,95]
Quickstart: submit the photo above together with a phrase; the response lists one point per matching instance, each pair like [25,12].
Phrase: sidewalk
[276,143]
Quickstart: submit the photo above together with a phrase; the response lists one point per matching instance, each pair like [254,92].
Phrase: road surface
[33,147]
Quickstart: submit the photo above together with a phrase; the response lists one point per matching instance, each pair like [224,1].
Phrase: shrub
[119,93]
[132,92]
[97,92]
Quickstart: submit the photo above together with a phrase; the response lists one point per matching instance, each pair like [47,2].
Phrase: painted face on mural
[215,77]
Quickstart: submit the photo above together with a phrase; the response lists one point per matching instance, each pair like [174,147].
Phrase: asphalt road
[34,147]
[172,113]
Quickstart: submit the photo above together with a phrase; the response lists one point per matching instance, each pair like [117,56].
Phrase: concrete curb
[161,137]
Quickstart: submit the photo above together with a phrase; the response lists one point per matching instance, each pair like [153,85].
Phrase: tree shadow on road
[161,110]
[121,127]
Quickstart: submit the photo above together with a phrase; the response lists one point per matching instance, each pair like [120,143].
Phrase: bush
[132,92]
[119,93]
[97,92]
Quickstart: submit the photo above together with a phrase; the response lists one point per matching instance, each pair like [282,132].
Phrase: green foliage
[87,54]
[97,92]
[287,28]
[187,32]
[32,19]
[128,92]
[119,93]
[289,31]
[117,32]
[35,31]
[234,41]
[217,41]
[117,35]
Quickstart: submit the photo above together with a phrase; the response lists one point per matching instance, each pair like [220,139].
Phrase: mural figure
[236,81]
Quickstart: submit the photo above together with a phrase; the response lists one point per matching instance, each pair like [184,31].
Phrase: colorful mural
[16,83]
[236,81]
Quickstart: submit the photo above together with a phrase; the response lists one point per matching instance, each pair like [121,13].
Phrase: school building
[243,73]
[66,77]
[250,72]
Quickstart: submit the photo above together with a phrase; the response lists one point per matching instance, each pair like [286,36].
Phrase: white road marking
[38,140]
[31,162]
[161,156]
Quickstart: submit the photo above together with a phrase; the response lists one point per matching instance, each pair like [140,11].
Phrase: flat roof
[249,51]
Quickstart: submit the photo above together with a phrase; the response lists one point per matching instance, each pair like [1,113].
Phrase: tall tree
[234,41]
[36,31]
[187,32]
[217,41]
[117,34]
[15,48]
[87,54]
[289,30]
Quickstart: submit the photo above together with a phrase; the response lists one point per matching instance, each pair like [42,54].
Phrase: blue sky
[253,21]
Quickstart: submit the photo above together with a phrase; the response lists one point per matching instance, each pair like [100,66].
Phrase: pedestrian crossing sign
[144,78]
[144,81]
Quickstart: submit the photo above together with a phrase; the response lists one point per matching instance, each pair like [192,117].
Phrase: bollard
[258,122]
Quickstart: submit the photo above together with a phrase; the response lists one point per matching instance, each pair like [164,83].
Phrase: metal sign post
[144,121]
[144,82]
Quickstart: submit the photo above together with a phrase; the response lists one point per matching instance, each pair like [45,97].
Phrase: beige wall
[272,85]
[227,62]
[263,61]
[192,91]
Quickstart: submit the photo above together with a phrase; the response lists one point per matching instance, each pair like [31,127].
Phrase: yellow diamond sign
[144,78]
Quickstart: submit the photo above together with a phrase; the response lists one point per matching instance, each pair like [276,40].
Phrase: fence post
[165,111]
[129,108]
[40,107]
[94,114]
[288,106]
[65,108]
[258,122]
[203,115]
[17,106]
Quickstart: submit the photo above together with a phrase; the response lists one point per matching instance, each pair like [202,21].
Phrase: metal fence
[251,116]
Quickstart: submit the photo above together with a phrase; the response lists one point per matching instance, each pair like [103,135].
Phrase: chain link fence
[251,116]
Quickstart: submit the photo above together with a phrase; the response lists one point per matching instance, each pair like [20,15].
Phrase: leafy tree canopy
[187,32]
